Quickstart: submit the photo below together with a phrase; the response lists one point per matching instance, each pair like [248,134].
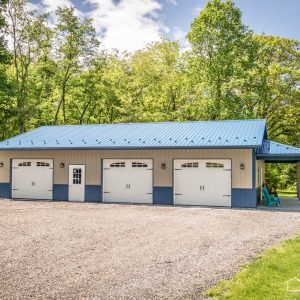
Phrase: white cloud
[174,2]
[34,7]
[127,24]
[120,24]
[52,5]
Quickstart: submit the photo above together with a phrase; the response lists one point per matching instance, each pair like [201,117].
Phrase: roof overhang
[278,158]
[276,152]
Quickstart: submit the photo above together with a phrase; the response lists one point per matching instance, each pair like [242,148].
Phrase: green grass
[265,277]
[287,193]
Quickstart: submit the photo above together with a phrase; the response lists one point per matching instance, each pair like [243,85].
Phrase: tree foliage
[57,74]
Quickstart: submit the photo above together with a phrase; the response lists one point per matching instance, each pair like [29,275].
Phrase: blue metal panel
[253,169]
[93,193]
[60,192]
[10,178]
[209,134]
[5,190]
[243,198]
[163,195]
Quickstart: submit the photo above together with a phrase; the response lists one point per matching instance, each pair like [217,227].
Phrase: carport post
[298,180]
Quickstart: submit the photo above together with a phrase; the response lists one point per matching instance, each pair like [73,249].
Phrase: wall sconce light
[163,166]
[1,164]
[62,165]
[242,166]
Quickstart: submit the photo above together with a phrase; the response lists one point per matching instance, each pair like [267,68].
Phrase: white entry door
[76,182]
[32,178]
[127,180]
[202,182]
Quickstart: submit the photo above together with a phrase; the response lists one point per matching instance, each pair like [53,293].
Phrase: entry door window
[77,175]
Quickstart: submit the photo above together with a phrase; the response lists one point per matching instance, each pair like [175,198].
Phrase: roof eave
[130,148]
[279,157]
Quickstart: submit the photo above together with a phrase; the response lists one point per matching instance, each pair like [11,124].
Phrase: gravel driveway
[99,251]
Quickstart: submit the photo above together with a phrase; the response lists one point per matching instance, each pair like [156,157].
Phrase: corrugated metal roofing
[270,148]
[209,134]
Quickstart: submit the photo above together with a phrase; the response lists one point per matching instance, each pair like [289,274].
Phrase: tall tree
[220,43]
[6,88]
[27,32]
[4,54]
[76,47]
[272,87]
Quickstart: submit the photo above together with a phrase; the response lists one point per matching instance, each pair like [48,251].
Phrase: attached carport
[273,152]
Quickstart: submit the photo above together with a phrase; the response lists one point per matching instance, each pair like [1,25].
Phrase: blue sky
[130,24]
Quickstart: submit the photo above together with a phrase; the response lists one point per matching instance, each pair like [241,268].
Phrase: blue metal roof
[209,134]
[272,150]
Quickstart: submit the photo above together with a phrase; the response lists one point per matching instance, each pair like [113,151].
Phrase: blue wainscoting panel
[245,198]
[60,192]
[163,195]
[93,193]
[5,190]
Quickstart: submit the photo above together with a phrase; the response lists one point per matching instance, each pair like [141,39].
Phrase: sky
[131,24]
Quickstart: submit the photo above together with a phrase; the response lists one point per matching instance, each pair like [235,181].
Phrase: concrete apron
[287,204]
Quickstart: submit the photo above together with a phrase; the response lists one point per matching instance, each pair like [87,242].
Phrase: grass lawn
[265,277]
[287,193]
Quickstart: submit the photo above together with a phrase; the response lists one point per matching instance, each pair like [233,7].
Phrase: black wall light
[163,166]
[62,165]
[242,166]
[1,164]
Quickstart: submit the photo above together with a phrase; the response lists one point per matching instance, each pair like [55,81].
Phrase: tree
[90,88]
[272,89]
[27,31]
[4,53]
[220,43]
[76,46]
[6,88]
[147,83]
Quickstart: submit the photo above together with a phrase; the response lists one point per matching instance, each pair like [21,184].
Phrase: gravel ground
[52,250]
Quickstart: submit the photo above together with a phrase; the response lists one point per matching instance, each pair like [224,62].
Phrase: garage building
[213,163]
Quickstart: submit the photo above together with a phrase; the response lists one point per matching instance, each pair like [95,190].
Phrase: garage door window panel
[42,164]
[117,165]
[25,164]
[190,165]
[139,165]
[214,165]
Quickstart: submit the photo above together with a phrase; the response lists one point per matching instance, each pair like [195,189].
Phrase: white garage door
[127,180]
[32,178]
[202,182]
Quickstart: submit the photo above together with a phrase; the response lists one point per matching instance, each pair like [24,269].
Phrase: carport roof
[202,134]
[273,151]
